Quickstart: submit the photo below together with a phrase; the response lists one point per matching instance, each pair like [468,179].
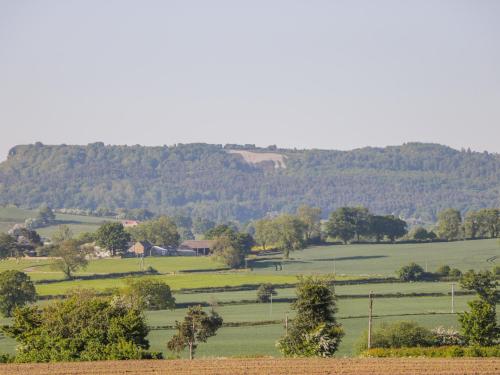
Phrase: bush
[496,270]
[437,352]
[265,292]
[455,273]
[446,337]
[397,335]
[411,272]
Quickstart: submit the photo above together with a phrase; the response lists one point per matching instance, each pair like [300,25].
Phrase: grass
[384,259]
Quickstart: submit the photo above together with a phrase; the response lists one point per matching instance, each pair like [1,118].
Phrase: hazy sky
[324,74]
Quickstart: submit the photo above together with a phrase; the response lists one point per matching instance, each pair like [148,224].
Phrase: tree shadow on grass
[357,257]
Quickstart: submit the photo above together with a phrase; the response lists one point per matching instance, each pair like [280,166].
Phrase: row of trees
[483,223]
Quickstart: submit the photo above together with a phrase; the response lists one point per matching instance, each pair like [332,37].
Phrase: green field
[78,223]
[352,262]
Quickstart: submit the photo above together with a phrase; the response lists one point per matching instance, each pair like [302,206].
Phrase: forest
[413,181]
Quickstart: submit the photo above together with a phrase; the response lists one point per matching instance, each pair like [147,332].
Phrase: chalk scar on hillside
[258,157]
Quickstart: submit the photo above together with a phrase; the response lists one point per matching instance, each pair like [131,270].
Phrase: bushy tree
[70,257]
[311,217]
[422,234]
[449,225]
[265,292]
[390,226]
[161,232]
[45,215]
[288,233]
[16,290]
[314,332]
[443,270]
[229,252]
[411,272]
[196,327]
[264,232]
[82,327]
[484,283]
[9,246]
[149,294]
[113,237]
[62,233]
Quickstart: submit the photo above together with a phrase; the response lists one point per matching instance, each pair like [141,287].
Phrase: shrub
[411,272]
[265,292]
[455,273]
[437,352]
[444,337]
[397,335]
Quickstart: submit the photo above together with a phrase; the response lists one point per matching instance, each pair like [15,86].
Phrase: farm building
[201,247]
[130,223]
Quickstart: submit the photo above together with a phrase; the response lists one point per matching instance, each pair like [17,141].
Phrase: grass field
[350,262]
[10,215]
[359,366]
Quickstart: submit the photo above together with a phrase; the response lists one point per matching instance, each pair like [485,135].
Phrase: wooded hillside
[414,180]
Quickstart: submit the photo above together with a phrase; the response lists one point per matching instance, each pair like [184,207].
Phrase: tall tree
[342,224]
[9,246]
[161,232]
[196,327]
[314,332]
[45,215]
[70,257]
[311,217]
[16,290]
[288,233]
[113,237]
[449,225]
[264,232]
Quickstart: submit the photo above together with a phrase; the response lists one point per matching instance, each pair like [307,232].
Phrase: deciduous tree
[16,290]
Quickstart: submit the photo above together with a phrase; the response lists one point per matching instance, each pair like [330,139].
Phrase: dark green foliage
[231,246]
[390,226]
[422,234]
[9,246]
[16,290]
[484,283]
[397,335]
[411,272]
[314,332]
[412,180]
[455,273]
[45,215]
[81,328]
[112,236]
[196,327]
[347,223]
[149,294]
[265,292]
[443,270]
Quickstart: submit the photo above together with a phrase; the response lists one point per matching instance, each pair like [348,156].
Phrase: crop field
[364,366]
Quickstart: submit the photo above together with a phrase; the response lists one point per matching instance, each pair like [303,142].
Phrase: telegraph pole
[370,311]
[452,298]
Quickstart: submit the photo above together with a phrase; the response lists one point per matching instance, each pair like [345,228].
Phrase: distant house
[200,247]
[141,248]
[130,223]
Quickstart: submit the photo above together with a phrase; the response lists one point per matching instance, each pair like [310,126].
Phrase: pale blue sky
[325,74]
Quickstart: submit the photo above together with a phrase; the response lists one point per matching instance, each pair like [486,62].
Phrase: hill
[243,182]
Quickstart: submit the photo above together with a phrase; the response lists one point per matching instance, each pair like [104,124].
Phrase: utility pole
[370,310]
[426,266]
[452,298]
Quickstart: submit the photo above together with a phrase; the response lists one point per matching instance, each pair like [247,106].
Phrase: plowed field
[380,366]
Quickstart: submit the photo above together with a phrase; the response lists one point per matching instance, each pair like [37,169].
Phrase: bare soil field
[385,366]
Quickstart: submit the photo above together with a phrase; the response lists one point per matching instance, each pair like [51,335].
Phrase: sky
[307,74]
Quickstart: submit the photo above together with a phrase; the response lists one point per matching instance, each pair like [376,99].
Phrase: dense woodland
[200,180]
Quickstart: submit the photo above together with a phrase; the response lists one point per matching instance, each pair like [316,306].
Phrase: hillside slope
[414,180]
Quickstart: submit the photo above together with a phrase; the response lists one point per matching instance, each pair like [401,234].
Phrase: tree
[472,225]
[288,234]
[314,332]
[421,234]
[46,215]
[196,327]
[16,290]
[113,237]
[229,252]
[70,257]
[489,219]
[479,325]
[443,270]
[265,292]
[8,246]
[449,225]
[347,223]
[149,294]
[161,232]
[82,327]
[62,233]
[311,217]
[389,226]
[264,232]
[411,272]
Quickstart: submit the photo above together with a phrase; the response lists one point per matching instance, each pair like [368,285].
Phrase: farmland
[370,366]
